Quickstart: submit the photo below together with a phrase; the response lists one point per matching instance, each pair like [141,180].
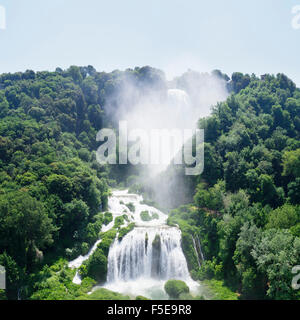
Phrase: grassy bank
[216,290]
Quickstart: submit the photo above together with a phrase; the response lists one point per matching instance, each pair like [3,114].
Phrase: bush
[186,296]
[141,298]
[295,230]
[107,218]
[284,217]
[91,233]
[175,288]
[210,269]
[145,216]
[189,251]
[107,239]
[218,291]
[131,207]
[155,216]
[103,294]
[118,222]
[84,248]
[95,267]
[124,231]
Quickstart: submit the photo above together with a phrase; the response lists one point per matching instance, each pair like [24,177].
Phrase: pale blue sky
[173,35]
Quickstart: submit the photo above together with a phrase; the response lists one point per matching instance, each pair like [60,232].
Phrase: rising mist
[161,104]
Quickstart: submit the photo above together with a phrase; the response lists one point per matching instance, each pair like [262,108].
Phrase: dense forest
[53,192]
[244,207]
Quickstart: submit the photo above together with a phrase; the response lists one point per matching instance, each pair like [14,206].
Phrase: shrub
[91,233]
[175,288]
[141,298]
[189,251]
[218,291]
[145,216]
[118,222]
[124,231]
[283,217]
[107,239]
[210,269]
[103,294]
[131,207]
[84,248]
[156,243]
[155,216]
[186,296]
[107,218]
[95,267]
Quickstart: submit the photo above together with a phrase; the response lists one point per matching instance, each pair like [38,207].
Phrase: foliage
[291,163]
[217,290]
[96,266]
[246,202]
[130,206]
[210,270]
[119,221]
[146,216]
[245,209]
[141,298]
[107,239]
[275,255]
[107,218]
[24,227]
[55,283]
[284,217]
[175,288]
[126,230]
[103,294]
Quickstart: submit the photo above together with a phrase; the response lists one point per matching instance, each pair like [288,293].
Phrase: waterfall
[147,256]
[198,250]
[148,253]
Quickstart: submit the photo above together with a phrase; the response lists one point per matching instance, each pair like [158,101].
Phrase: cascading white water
[153,252]
[200,248]
[147,256]
[197,253]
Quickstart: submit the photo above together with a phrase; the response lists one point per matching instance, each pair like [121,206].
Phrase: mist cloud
[162,104]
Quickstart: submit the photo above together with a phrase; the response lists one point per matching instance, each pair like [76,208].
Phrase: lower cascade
[149,255]
[148,252]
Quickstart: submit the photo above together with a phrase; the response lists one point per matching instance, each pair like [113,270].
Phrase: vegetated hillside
[246,203]
[51,186]
[246,209]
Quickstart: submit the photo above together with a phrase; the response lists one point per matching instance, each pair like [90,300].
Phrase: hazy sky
[249,36]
